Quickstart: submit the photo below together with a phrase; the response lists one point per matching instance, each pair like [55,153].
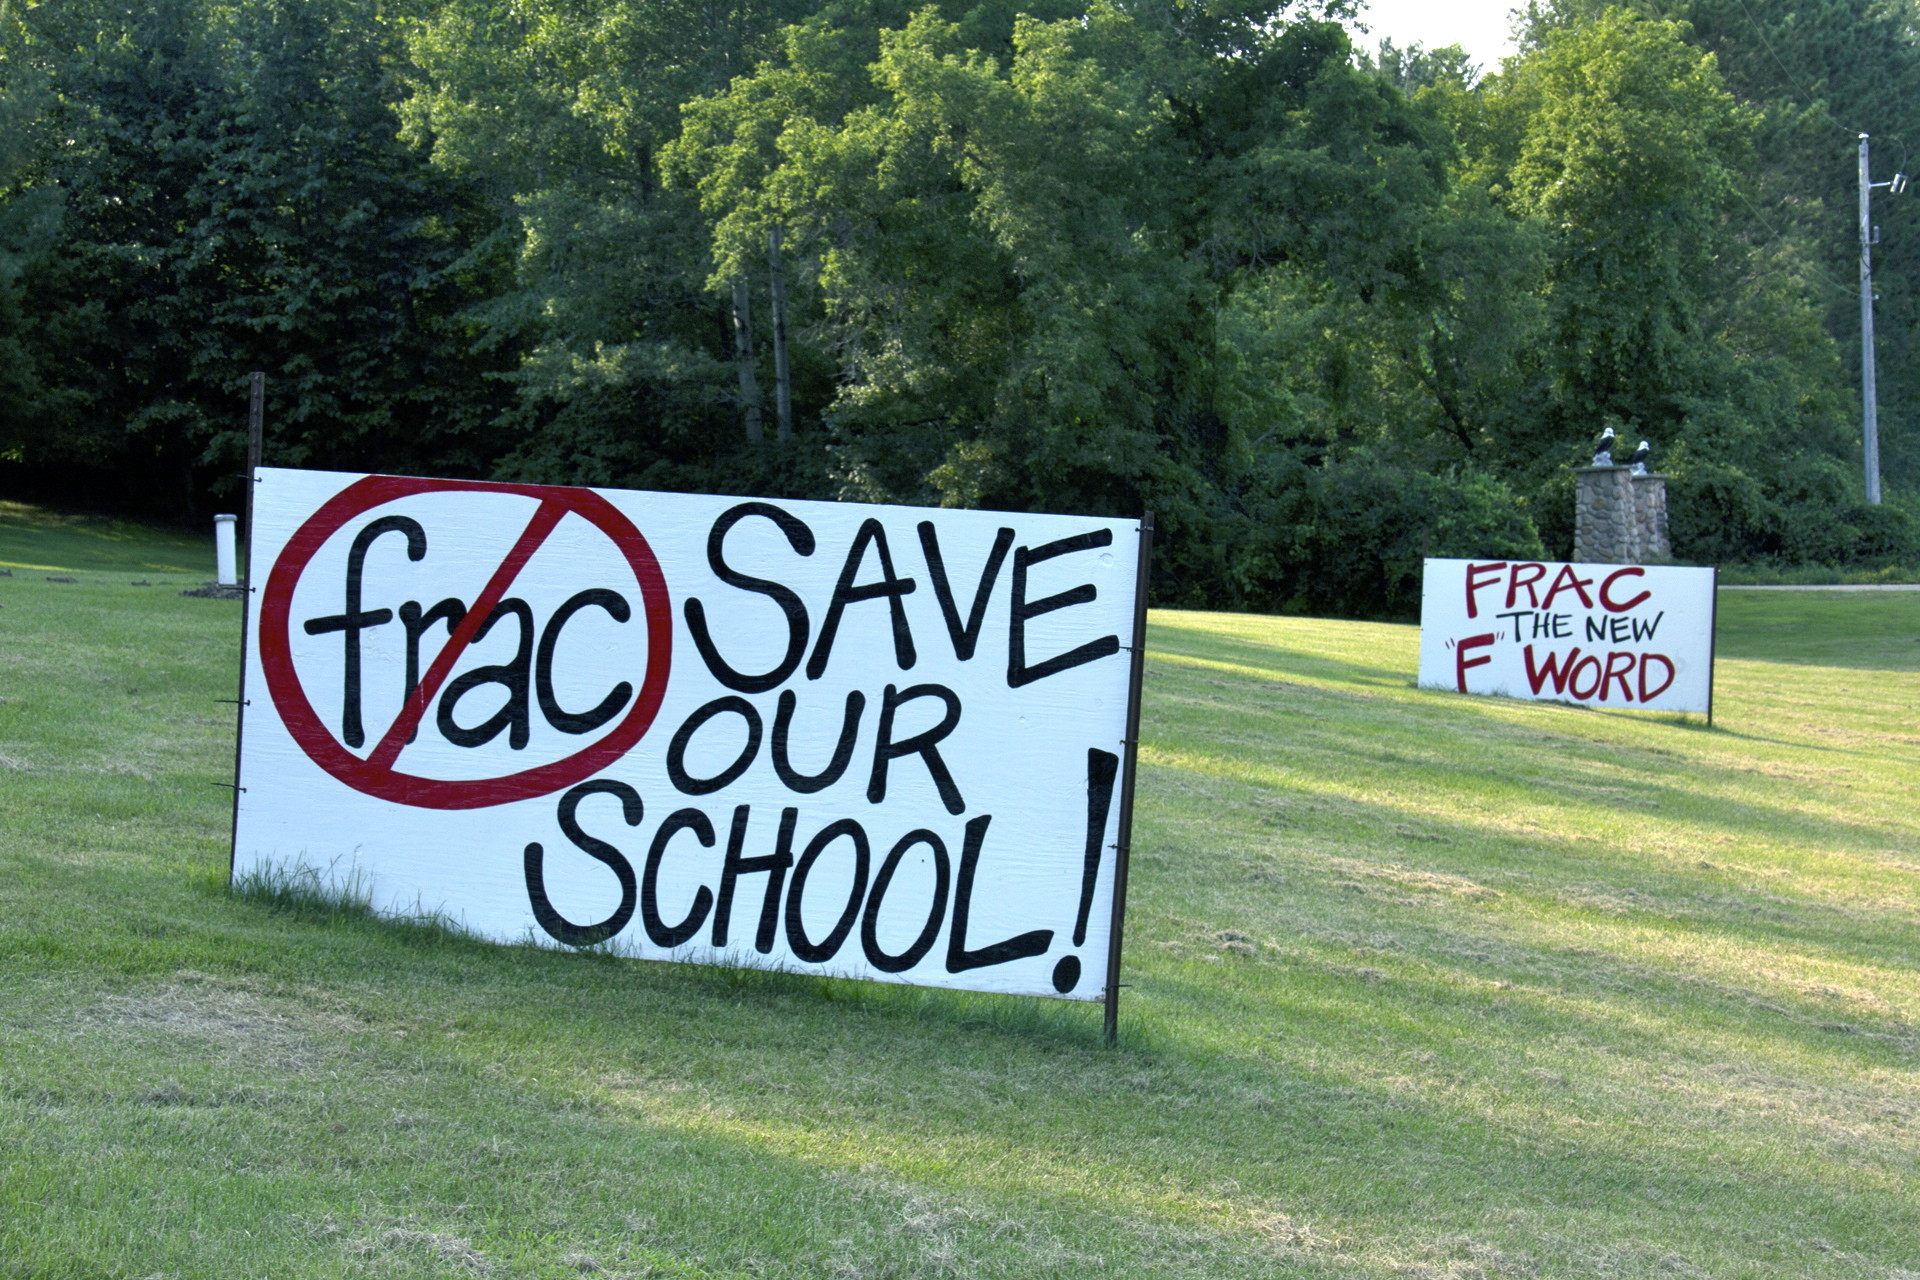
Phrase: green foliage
[1345,538]
[233,196]
[1411,68]
[1053,256]
[1662,314]
[1324,311]
[1623,156]
[1814,74]
[558,109]
[29,219]
[1721,513]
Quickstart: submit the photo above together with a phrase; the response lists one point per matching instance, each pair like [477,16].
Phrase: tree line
[1324,308]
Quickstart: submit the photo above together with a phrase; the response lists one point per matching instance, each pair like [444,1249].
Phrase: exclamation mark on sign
[1102,767]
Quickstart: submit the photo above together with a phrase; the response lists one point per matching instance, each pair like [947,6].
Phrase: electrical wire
[1807,95]
[1775,234]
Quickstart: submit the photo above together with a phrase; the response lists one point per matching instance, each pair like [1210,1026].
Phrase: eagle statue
[1639,459]
[1603,449]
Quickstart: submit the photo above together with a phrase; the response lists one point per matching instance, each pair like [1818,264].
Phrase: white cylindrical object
[225,559]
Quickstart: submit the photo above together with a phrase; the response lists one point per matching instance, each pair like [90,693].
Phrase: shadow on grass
[1599,790]
[1453,742]
[1488,905]
[1299,663]
[808,1080]
[1253,653]
[827,1097]
[40,538]
[311,896]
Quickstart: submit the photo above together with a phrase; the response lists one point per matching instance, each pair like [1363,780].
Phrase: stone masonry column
[1650,513]
[1604,523]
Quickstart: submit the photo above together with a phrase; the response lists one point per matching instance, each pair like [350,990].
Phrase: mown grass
[36,538]
[1422,986]
[1870,630]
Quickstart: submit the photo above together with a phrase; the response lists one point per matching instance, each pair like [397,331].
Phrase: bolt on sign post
[875,742]
[1638,637]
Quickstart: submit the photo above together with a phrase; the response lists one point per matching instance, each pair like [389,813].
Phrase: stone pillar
[1604,526]
[1650,514]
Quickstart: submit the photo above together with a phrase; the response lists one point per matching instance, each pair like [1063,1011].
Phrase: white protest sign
[1636,636]
[878,742]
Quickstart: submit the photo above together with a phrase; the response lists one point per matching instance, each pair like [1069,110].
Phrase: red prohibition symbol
[375,775]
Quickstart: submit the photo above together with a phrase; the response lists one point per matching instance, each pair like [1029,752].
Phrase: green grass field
[34,538]
[1423,986]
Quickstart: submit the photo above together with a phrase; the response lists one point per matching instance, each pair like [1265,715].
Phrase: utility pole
[1869,390]
[1869,393]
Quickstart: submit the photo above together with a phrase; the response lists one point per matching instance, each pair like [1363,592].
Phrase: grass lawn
[1870,630]
[34,538]
[1423,986]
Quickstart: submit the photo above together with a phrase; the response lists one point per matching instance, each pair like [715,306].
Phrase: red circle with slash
[375,774]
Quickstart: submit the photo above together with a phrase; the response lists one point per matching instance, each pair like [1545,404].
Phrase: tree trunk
[782,380]
[743,359]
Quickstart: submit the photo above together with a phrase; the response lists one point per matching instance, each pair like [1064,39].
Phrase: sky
[1480,25]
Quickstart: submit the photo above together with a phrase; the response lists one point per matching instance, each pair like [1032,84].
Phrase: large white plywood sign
[1611,635]
[878,742]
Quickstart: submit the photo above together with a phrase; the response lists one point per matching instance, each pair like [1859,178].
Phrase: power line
[1792,79]
[1807,94]
[1775,234]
